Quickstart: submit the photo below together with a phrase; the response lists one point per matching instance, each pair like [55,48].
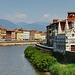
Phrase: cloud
[45,16]
[49,17]
[16,17]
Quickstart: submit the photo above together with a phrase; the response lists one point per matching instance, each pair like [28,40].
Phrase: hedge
[45,62]
[62,69]
[40,60]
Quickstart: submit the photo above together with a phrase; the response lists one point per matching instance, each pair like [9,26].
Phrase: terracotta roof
[10,30]
[63,21]
[41,32]
[55,19]
[60,21]
[2,28]
[71,12]
[18,31]
[27,30]
[34,31]
[22,29]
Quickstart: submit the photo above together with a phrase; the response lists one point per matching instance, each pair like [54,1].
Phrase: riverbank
[45,62]
[68,56]
[9,43]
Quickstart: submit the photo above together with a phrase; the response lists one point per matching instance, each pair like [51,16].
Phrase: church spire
[74,24]
[59,28]
[66,25]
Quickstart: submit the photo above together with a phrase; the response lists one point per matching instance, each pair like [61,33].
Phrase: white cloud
[49,17]
[45,16]
[16,17]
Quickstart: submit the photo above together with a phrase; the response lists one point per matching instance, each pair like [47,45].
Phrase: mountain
[40,26]
[8,24]
[23,25]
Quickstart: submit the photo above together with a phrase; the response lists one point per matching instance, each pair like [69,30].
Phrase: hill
[8,24]
[40,26]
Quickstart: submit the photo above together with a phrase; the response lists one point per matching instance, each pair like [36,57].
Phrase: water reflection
[13,62]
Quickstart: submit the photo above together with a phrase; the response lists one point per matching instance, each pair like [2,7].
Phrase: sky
[31,11]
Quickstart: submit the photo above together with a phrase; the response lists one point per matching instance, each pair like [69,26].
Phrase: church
[64,40]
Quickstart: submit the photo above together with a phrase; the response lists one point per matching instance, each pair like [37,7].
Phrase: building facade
[32,32]
[64,40]
[43,37]
[37,36]
[53,28]
[10,34]
[18,35]
[2,34]
[26,35]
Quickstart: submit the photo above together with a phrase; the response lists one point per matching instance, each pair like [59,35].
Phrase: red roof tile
[10,30]
[71,12]
[18,31]
[2,28]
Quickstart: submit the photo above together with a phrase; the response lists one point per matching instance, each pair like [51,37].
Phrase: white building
[43,37]
[64,40]
[26,35]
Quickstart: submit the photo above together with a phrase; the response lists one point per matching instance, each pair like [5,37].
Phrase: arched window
[72,35]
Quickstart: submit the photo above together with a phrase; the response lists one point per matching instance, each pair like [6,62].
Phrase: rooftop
[70,12]
[18,31]
[10,30]
[2,28]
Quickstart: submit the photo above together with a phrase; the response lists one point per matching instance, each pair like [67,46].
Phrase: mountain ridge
[40,26]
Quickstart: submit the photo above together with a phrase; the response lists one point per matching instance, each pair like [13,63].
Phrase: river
[13,62]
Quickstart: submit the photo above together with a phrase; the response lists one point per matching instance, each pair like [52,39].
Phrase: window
[72,47]
[72,35]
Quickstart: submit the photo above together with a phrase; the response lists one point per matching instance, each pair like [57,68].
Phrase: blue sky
[35,10]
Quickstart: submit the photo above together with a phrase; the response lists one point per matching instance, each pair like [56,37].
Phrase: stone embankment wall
[45,49]
[18,43]
[61,57]
[70,56]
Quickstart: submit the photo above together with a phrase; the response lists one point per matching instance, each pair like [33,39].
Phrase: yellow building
[13,35]
[43,37]
[37,36]
[19,35]
[2,34]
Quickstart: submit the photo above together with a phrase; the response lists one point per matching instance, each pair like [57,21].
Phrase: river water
[13,62]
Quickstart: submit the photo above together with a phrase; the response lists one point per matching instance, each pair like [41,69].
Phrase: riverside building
[2,34]
[64,40]
[10,34]
[26,33]
[53,27]
[19,35]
